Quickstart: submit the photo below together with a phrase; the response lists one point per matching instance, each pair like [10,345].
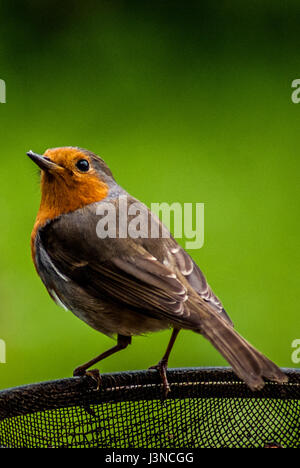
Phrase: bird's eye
[83,165]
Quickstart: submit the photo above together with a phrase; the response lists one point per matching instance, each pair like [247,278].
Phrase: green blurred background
[186,101]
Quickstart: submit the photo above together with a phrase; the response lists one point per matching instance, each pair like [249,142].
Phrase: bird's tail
[247,362]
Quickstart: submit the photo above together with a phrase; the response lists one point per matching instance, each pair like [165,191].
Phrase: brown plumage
[125,286]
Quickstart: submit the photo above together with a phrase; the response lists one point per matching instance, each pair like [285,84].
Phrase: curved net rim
[208,382]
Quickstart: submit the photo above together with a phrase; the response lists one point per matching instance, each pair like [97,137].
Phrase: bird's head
[71,178]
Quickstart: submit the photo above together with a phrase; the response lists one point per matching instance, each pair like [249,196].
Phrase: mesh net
[205,408]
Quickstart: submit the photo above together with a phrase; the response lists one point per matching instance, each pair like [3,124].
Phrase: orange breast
[61,195]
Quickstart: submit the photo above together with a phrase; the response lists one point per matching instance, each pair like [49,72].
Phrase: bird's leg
[163,363]
[123,342]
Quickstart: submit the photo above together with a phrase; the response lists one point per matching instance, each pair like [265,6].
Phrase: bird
[123,285]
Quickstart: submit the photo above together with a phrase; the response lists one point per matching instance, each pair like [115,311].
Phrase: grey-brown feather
[131,286]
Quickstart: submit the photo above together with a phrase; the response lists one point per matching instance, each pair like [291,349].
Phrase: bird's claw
[93,374]
[161,367]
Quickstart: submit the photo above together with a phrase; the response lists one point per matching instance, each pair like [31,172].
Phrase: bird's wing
[197,280]
[147,274]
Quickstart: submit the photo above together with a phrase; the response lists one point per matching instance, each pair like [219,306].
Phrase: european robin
[120,284]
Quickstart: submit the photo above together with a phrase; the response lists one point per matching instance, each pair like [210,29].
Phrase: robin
[125,285]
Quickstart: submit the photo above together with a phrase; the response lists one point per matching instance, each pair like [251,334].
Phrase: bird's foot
[93,373]
[162,369]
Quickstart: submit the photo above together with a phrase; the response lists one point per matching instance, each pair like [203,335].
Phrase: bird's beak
[44,163]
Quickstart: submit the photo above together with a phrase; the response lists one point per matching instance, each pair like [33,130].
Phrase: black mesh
[205,408]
